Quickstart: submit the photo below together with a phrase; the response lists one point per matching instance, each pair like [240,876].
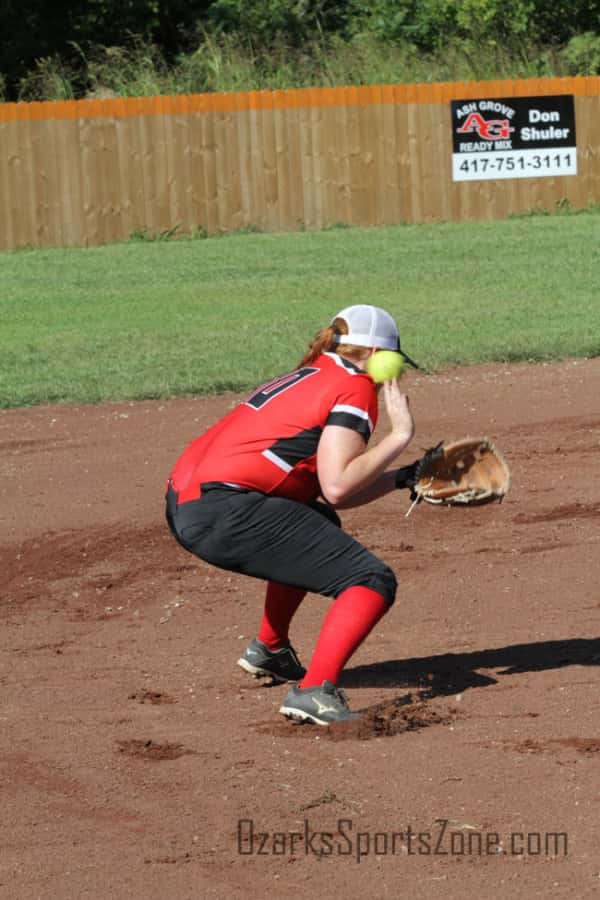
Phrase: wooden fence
[92,171]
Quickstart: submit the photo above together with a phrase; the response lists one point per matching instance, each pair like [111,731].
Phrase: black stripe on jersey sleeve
[347,420]
[301,446]
[344,363]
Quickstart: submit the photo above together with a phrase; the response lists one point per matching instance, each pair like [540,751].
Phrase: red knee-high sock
[281,603]
[346,625]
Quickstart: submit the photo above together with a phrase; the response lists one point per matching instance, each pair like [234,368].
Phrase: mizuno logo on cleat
[322,707]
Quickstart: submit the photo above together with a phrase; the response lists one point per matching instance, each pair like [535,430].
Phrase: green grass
[152,319]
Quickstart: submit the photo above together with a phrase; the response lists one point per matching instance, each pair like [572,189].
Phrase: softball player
[244,497]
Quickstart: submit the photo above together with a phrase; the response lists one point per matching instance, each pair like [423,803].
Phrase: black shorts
[276,539]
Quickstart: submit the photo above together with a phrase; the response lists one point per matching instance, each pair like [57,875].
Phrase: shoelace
[340,695]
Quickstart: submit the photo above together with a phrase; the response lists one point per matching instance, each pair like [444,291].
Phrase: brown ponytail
[323,342]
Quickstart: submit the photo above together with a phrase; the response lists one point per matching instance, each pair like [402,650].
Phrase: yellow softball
[385,365]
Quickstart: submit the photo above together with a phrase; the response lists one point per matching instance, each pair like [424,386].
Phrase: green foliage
[50,79]
[582,54]
[557,22]
[36,30]
[138,70]
[494,20]
[75,48]
[430,23]
[264,22]
[221,64]
[426,25]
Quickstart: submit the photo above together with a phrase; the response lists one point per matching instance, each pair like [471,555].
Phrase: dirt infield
[138,761]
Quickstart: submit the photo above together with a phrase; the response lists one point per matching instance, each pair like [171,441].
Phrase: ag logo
[491,130]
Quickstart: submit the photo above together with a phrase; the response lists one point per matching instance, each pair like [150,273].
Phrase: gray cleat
[280,665]
[323,705]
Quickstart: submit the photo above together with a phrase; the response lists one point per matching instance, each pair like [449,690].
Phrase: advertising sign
[517,137]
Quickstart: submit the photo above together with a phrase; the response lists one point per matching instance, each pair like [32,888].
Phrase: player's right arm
[347,470]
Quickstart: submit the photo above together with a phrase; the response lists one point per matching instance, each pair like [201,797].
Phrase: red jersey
[269,442]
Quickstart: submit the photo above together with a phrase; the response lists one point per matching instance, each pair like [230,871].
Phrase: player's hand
[398,409]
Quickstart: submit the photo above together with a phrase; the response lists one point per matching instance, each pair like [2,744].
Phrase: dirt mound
[392,717]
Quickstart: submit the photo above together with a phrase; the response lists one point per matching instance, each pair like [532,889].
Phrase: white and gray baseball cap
[371,326]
